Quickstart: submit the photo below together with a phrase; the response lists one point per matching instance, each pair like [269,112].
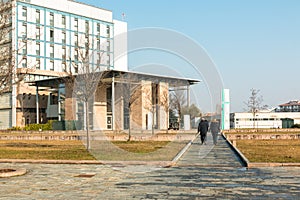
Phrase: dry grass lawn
[101,150]
[42,149]
[272,151]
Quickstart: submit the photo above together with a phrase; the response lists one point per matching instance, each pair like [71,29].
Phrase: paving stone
[204,172]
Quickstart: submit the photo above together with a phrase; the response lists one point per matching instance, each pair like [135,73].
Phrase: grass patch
[261,131]
[272,151]
[101,150]
[140,146]
[49,150]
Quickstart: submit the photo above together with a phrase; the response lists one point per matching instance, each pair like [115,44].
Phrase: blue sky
[254,44]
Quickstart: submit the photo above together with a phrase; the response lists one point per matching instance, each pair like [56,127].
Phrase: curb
[240,154]
[88,162]
[13,172]
[180,154]
[248,164]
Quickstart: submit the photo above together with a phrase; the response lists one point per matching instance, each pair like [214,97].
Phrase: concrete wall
[264,119]
[100,109]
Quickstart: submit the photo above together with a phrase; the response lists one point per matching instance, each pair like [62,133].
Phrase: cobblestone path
[204,172]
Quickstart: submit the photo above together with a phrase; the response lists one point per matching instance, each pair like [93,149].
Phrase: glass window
[63,37]
[38,49]
[37,16]
[24,63]
[24,11]
[51,35]
[51,51]
[76,23]
[63,20]
[37,32]
[51,19]
[38,64]
[52,65]
[108,30]
[86,26]
[98,27]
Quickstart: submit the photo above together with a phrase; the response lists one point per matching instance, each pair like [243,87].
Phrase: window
[98,44]
[98,28]
[86,27]
[63,37]
[38,64]
[53,99]
[24,31]
[108,46]
[108,30]
[24,50]
[76,56]
[37,16]
[24,11]
[76,40]
[24,63]
[64,67]
[52,51]
[37,32]
[63,21]
[37,49]
[76,23]
[51,35]
[64,54]
[52,65]
[51,19]
[108,60]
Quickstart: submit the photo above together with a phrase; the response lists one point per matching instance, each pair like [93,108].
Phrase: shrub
[37,127]
[296,126]
[15,128]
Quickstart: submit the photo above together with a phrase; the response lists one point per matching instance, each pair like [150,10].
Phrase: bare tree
[193,111]
[149,102]
[164,102]
[130,93]
[7,67]
[254,103]
[83,78]
[178,101]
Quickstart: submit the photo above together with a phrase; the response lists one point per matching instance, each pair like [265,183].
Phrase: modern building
[291,106]
[266,119]
[46,38]
[52,40]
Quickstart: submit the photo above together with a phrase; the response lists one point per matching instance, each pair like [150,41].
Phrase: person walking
[203,128]
[214,129]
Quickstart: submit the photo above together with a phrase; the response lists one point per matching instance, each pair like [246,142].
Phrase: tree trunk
[87,125]
[129,133]
[152,120]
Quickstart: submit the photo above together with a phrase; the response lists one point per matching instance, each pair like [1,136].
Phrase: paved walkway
[210,155]
[204,172]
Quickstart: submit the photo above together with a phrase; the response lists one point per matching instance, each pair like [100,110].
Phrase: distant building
[285,116]
[292,106]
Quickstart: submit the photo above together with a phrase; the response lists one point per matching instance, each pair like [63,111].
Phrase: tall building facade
[46,38]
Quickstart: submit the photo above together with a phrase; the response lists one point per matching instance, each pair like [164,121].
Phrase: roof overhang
[125,75]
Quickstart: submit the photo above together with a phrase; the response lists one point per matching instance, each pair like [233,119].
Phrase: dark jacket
[214,127]
[203,126]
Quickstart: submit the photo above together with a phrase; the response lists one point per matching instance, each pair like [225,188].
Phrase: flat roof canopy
[120,76]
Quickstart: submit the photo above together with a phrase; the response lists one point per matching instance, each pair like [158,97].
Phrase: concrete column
[188,95]
[14,106]
[37,105]
[113,102]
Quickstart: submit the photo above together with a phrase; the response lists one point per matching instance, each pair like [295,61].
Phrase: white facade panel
[264,120]
[5,119]
[120,46]
[75,8]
